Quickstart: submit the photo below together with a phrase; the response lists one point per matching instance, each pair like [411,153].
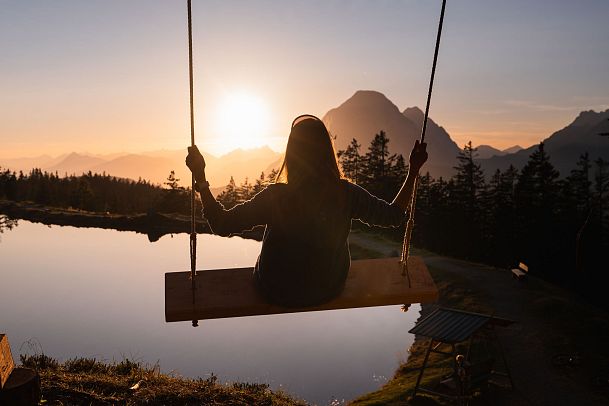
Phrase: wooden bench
[6,360]
[18,386]
[521,272]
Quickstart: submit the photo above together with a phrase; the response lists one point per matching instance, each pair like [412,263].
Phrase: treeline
[108,194]
[94,192]
[557,225]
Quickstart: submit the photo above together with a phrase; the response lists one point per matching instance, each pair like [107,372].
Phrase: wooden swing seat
[222,293]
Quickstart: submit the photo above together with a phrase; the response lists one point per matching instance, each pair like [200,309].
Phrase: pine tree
[499,210]
[467,188]
[272,176]
[229,196]
[601,189]
[260,184]
[350,161]
[245,191]
[536,197]
[374,175]
[397,172]
[579,184]
[469,179]
[172,182]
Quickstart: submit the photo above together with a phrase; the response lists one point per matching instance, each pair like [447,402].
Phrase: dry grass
[87,381]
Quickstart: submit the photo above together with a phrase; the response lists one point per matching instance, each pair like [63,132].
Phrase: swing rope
[411,207]
[193,224]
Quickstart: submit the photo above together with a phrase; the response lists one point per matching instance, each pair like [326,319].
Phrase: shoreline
[154,225]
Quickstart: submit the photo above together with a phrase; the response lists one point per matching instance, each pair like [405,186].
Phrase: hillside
[564,146]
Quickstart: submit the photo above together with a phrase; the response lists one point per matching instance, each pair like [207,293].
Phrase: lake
[100,293]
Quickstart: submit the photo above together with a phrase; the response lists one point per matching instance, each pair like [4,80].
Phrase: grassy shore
[86,381]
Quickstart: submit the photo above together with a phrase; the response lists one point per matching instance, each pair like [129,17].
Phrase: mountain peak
[369,99]
[512,149]
[369,94]
[414,110]
[367,112]
[414,114]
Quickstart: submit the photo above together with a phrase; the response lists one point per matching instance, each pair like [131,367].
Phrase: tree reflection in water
[6,223]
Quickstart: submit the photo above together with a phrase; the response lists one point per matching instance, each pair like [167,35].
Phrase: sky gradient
[111,76]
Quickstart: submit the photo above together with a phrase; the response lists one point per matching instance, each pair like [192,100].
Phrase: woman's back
[305,255]
[304,259]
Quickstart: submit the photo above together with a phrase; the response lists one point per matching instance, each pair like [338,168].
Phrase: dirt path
[550,320]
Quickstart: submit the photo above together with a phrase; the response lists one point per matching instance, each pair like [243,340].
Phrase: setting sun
[242,121]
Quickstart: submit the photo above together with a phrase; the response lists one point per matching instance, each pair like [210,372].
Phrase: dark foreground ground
[550,321]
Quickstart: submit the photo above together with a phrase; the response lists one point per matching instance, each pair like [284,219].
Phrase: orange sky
[110,76]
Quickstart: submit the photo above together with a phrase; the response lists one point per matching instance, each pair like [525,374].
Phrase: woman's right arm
[242,217]
[196,164]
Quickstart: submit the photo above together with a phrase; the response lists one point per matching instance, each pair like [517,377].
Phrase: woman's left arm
[242,217]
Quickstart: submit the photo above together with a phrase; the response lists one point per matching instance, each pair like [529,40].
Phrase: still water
[100,293]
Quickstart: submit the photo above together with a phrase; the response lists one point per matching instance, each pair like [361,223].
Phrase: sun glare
[242,121]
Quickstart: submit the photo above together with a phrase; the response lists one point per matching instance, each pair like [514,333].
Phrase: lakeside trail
[550,321]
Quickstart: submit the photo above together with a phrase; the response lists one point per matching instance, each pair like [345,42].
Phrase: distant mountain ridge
[486,151]
[153,166]
[564,147]
[361,116]
[367,112]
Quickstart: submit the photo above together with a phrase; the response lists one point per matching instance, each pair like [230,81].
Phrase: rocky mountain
[367,112]
[564,146]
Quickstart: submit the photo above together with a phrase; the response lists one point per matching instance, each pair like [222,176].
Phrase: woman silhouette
[305,258]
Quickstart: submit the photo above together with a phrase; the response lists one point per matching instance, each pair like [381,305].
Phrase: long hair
[309,155]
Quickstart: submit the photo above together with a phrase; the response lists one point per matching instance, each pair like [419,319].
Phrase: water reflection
[100,293]
[6,223]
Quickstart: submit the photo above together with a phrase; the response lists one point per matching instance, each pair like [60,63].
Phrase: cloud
[578,103]
[527,104]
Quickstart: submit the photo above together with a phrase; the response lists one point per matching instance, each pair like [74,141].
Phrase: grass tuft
[39,362]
